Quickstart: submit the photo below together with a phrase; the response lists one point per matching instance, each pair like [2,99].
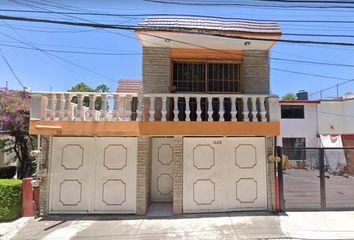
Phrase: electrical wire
[11,69]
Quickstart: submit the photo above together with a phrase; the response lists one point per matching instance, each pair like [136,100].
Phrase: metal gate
[316,178]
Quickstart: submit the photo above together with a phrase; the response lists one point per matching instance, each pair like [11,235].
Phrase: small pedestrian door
[162,167]
[224,174]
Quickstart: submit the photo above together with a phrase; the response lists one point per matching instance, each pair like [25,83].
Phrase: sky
[58,70]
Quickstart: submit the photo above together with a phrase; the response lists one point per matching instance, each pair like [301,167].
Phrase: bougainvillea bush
[14,120]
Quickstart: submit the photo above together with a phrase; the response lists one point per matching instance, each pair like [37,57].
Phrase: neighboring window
[292,111]
[206,77]
[294,154]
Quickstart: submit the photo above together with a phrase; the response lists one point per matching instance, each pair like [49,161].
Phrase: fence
[316,178]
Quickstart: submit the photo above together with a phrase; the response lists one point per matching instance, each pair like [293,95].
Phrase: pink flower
[5,119]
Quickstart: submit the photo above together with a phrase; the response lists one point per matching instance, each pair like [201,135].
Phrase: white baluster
[44,107]
[273,109]
[163,109]
[60,106]
[254,109]
[116,101]
[188,110]
[92,107]
[233,109]
[210,108]
[128,108]
[263,111]
[245,109]
[104,103]
[80,114]
[139,108]
[53,104]
[199,110]
[152,109]
[68,107]
[175,108]
[222,109]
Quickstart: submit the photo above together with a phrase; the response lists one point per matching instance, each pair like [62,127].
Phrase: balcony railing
[72,106]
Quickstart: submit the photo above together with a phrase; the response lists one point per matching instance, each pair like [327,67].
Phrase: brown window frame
[206,71]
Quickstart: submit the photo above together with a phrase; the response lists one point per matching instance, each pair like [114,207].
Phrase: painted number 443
[217,142]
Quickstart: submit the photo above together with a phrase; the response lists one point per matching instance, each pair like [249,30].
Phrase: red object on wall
[27,198]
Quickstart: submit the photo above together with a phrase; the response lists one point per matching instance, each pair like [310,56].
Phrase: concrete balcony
[153,114]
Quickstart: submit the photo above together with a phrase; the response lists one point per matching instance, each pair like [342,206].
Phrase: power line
[130,27]
[309,74]
[142,16]
[11,69]
[312,62]
[74,52]
[279,6]
[331,87]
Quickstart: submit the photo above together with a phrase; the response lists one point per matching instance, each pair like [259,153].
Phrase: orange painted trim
[204,54]
[132,128]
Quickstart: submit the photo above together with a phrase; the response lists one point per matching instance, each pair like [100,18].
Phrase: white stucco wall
[301,128]
[336,117]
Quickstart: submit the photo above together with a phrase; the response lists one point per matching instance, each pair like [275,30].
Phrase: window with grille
[206,77]
[292,111]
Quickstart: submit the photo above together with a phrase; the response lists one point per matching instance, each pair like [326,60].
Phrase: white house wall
[301,128]
[336,117]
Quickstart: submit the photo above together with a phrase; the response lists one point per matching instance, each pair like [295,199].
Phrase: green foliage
[14,118]
[289,96]
[7,172]
[82,87]
[10,199]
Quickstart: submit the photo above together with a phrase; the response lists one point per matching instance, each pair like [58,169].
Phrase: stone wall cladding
[178,175]
[256,72]
[270,174]
[143,191]
[156,69]
[44,176]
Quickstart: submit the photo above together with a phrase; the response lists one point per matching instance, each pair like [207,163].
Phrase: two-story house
[197,135]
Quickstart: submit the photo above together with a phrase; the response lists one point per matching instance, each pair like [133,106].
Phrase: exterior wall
[44,178]
[143,191]
[178,175]
[301,128]
[256,72]
[336,114]
[270,175]
[5,158]
[156,69]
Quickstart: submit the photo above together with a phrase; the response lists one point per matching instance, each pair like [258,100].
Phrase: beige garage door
[161,171]
[93,175]
[224,174]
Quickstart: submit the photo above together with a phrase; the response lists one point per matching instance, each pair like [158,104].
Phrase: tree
[82,87]
[289,96]
[14,119]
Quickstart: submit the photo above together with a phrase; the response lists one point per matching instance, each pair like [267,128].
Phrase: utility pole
[7,84]
[337,90]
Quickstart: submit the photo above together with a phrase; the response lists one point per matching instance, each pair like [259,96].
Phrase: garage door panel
[115,184]
[93,175]
[224,174]
[247,177]
[162,168]
[202,191]
[70,184]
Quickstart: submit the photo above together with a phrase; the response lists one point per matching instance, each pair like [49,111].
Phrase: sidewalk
[9,229]
[291,225]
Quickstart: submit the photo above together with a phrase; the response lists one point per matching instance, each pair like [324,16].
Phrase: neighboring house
[336,117]
[198,137]
[298,123]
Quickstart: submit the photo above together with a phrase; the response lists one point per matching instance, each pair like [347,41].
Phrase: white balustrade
[59,106]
